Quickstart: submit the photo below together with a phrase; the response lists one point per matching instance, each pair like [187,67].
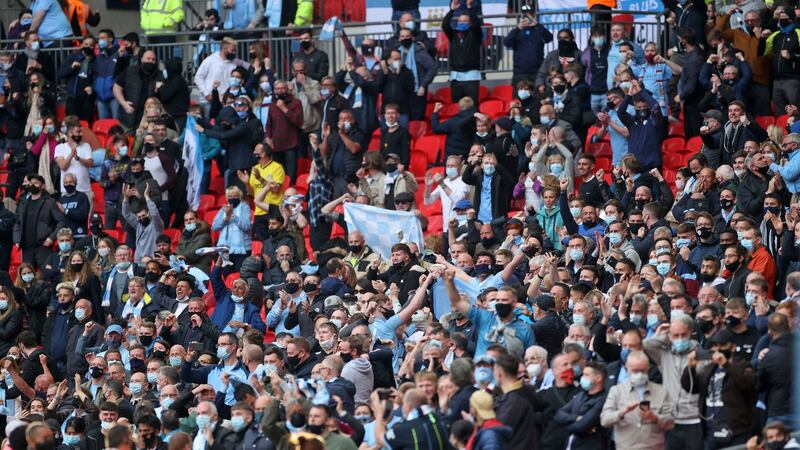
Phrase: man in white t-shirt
[75,156]
[449,189]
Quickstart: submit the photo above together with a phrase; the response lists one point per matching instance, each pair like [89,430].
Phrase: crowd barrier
[281,44]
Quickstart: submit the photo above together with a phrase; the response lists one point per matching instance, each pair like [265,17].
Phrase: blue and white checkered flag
[382,228]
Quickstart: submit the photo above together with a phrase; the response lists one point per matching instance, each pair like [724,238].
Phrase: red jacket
[284,128]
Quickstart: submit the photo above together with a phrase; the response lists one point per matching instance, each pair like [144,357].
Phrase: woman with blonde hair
[87,284]
[10,320]
[234,225]
[104,259]
[775,134]
[36,298]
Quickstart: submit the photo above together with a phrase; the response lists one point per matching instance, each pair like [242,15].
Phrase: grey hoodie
[359,372]
[671,365]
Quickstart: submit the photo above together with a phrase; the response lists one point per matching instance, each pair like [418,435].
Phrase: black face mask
[144,222]
[291,288]
[642,114]
[297,420]
[387,313]
[367,49]
[390,168]
[635,227]
[559,88]
[159,354]
[76,267]
[640,204]
[35,190]
[589,225]
[725,203]
[762,170]
[96,372]
[293,360]
[70,188]
[146,340]
[398,265]
[77,138]
[251,55]
[95,229]
[47,445]
[148,67]
[88,51]
[704,326]
[309,287]
[773,209]
[565,48]
[355,249]
[234,202]
[406,42]
[315,429]
[137,365]
[732,266]
[305,45]
[732,321]
[488,242]
[503,309]
[230,56]
[729,82]
[346,357]
[610,106]
[704,232]
[152,276]
[784,22]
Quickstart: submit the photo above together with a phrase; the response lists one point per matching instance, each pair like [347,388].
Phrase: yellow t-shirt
[272,171]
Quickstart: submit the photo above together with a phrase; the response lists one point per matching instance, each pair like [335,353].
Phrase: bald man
[359,255]
[92,333]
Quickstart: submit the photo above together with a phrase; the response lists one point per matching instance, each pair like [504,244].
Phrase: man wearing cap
[638,409]
[504,146]
[404,201]
[58,325]
[726,386]
[88,244]
[284,127]
[490,432]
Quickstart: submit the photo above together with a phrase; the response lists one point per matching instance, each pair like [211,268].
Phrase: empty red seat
[694,144]
[257,246]
[103,126]
[601,148]
[493,107]
[432,145]
[765,121]
[207,202]
[419,162]
[676,129]
[443,94]
[673,145]
[417,128]
[781,121]
[503,91]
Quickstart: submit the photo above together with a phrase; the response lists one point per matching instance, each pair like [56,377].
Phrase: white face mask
[534,370]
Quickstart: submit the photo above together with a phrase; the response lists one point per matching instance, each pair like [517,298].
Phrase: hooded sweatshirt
[359,372]
[671,365]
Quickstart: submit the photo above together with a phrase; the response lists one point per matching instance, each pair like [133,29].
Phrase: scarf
[34,114]
[45,156]
[358,96]
[411,63]
[107,294]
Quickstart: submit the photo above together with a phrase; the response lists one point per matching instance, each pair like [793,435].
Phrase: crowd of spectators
[611,257]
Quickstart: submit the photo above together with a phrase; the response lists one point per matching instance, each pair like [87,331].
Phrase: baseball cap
[403,197]
[722,336]
[333,301]
[504,122]
[114,329]
[483,404]
[713,114]
[463,204]
[485,359]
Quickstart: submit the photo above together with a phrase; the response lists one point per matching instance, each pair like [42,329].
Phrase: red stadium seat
[781,121]
[483,92]
[599,149]
[432,145]
[417,128]
[174,235]
[102,126]
[765,121]
[442,48]
[435,224]
[493,107]
[448,111]
[604,162]
[374,144]
[503,91]
[207,203]
[443,94]
[419,162]
[208,217]
[302,184]
[694,144]
[672,161]
[676,129]
[673,145]
[257,246]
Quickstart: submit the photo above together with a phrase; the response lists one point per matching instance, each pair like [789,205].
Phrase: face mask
[222,353]
[750,298]
[4,305]
[523,94]
[663,268]
[122,150]
[725,203]
[234,202]
[546,121]
[151,277]
[203,422]
[625,85]
[347,126]
[230,56]
[390,168]
[144,222]
[599,41]
[704,326]
[575,212]
[395,65]
[615,238]
[576,254]
[406,43]
[37,130]
[652,320]
[704,233]
[484,375]
[680,243]
[136,388]
[175,361]
[504,309]
[305,45]
[79,314]
[556,168]
[28,277]
[635,319]
[784,23]
[234,82]
[238,423]
[88,51]
[451,172]
[65,246]
[531,166]
[488,169]
[292,288]
[732,266]
[642,114]
[96,372]
[578,319]
[266,87]
[732,321]
[70,188]
[72,439]
[680,345]
[190,227]
[309,287]
[638,378]
[747,244]
[35,45]
[775,445]
[166,403]
[586,383]
[123,266]
[568,376]
[76,267]
[148,67]
[462,26]
[559,88]
[51,129]
[481,134]
[327,345]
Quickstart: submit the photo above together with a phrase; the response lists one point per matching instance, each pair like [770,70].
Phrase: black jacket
[502,185]
[581,419]
[10,326]
[174,93]
[346,391]
[550,332]
[406,278]
[738,392]
[775,376]
[459,130]
[552,436]
[516,409]
[465,48]
[48,221]
[398,88]
[240,137]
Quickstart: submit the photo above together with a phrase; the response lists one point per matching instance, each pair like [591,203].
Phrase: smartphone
[703,355]
[196,346]
[644,405]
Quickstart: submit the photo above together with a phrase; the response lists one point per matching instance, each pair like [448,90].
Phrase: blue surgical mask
[523,94]
[222,353]
[531,166]
[65,246]
[652,261]
[26,22]
[136,388]
[238,423]
[578,319]
[575,212]
[614,238]
[747,244]
[4,305]
[167,402]
[234,82]
[750,298]
[347,126]
[411,25]
[680,345]
[576,254]
[576,369]
[652,320]
[103,44]
[680,243]
[202,422]
[241,114]
[190,227]
[586,383]
[623,354]
[484,375]
[122,150]
[462,26]
[35,45]
[37,129]
[556,168]
[546,121]
[80,314]
[599,41]
[71,439]
[152,378]
[451,172]
[325,92]
[175,361]
[488,169]
[28,277]
[663,268]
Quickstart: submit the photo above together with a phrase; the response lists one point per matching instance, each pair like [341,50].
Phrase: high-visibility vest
[159,16]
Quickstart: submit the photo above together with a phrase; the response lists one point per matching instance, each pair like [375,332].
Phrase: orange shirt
[762,262]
